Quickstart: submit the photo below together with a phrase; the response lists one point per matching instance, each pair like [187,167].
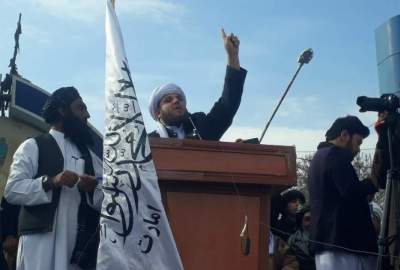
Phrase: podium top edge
[217,145]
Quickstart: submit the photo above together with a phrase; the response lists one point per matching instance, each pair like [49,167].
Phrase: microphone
[306,56]
[245,239]
[195,129]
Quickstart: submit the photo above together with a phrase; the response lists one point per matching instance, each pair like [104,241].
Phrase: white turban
[161,91]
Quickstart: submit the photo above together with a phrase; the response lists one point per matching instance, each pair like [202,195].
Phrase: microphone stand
[304,58]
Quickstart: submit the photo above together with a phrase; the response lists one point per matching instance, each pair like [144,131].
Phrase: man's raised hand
[231,44]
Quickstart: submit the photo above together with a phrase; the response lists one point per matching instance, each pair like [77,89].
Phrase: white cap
[161,91]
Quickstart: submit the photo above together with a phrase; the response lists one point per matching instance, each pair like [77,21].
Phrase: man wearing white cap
[168,104]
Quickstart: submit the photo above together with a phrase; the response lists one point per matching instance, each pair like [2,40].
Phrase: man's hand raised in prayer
[231,44]
[87,183]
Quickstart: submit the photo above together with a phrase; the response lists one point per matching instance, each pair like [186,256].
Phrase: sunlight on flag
[135,233]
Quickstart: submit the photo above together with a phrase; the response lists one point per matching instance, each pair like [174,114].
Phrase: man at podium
[168,104]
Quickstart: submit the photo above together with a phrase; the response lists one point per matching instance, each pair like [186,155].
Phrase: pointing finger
[223,33]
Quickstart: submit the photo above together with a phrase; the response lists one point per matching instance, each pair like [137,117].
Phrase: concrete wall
[14,133]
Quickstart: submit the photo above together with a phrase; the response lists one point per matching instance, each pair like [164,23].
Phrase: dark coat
[300,245]
[213,125]
[339,207]
[286,226]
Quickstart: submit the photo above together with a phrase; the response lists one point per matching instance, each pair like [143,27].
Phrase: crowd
[290,244]
[50,209]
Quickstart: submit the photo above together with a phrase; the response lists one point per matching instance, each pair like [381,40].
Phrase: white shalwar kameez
[52,250]
[338,260]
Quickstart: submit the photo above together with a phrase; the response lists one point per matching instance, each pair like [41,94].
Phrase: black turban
[61,98]
[293,194]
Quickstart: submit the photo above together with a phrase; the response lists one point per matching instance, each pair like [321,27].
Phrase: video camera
[388,102]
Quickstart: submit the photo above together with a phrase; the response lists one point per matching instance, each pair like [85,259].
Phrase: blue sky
[179,41]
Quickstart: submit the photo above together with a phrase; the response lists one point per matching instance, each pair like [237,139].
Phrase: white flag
[135,233]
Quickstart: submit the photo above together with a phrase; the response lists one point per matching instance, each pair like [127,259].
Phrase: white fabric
[376,210]
[164,134]
[52,250]
[271,243]
[135,233]
[334,260]
[161,91]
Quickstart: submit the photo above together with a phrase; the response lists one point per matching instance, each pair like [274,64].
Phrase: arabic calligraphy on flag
[135,233]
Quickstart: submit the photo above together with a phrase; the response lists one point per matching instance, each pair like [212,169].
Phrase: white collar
[56,133]
[60,139]
[164,134]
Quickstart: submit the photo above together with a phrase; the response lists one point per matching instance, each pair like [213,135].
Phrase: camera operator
[342,229]
[380,166]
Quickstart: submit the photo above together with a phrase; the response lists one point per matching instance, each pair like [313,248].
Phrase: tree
[302,170]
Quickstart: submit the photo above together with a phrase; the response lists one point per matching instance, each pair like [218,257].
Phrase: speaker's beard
[77,130]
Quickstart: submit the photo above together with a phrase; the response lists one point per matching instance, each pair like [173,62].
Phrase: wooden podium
[209,187]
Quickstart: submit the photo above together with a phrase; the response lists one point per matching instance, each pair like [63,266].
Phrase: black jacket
[213,125]
[339,207]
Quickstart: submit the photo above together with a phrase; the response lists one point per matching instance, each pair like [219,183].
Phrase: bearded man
[53,178]
[342,230]
[168,104]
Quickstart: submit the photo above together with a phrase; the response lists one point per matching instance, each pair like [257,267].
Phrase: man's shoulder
[28,149]
[198,115]
[334,158]
[322,153]
[33,139]
[28,144]
[41,136]
[44,139]
[332,151]
[340,154]
[326,158]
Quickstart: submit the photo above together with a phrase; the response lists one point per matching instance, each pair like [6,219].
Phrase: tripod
[392,183]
